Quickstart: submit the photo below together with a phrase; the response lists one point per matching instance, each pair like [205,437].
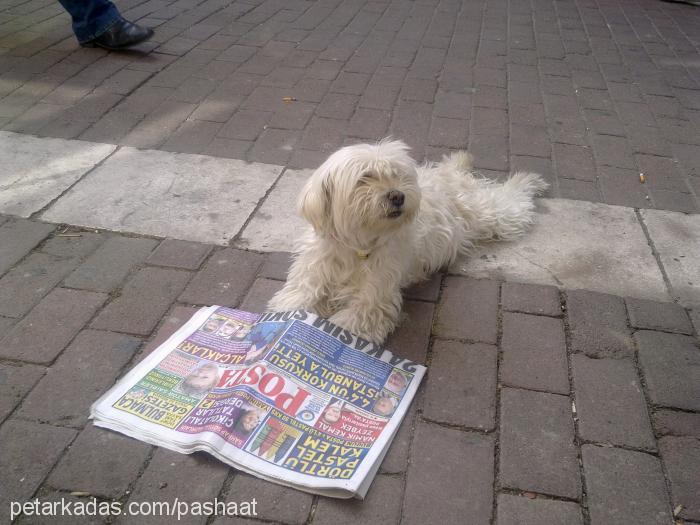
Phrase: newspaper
[288,397]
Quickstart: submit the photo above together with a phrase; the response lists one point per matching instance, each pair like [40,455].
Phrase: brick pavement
[540,405]
[588,92]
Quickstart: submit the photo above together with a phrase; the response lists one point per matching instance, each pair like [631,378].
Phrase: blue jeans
[91,18]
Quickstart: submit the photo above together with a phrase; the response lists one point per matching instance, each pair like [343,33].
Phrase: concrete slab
[34,171]
[176,195]
[575,245]
[676,237]
[276,224]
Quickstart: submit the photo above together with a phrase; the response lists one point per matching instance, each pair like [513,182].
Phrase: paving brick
[16,380]
[610,403]
[621,187]
[179,254]
[143,300]
[612,499]
[671,366]
[324,134]
[170,323]
[673,423]
[159,125]
[529,140]
[17,238]
[491,97]
[73,243]
[125,81]
[517,510]
[410,339]
[224,279]
[50,326]
[80,375]
[21,440]
[654,315]
[460,467]
[396,459]
[428,290]
[447,399]
[661,173]
[450,132]
[259,294]
[574,162]
[489,151]
[531,299]
[276,503]
[337,105]
[294,115]
[613,151]
[382,505]
[193,136]
[468,310]
[537,451]
[352,83]
[107,267]
[450,104]
[534,353]
[276,266]
[681,457]
[369,123]
[598,324]
[190,478]
[100,462]
[25,285]
[674,201]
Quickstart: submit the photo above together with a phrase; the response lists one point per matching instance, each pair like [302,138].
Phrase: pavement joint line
[497,407]
[657,257]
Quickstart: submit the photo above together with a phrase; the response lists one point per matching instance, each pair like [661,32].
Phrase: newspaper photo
[288,397]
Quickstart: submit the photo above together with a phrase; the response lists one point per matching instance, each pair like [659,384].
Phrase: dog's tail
[459,161]
[506,210]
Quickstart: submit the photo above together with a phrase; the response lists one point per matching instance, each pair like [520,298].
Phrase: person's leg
[99,23]
[91,18]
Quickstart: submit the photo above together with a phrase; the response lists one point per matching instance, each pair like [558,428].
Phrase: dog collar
[363,254]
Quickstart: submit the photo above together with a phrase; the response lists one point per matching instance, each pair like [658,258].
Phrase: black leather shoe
[120,35]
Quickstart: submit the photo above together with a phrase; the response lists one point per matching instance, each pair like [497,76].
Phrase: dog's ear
[315,201]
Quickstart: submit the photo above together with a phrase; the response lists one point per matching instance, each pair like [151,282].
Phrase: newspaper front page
[289,397]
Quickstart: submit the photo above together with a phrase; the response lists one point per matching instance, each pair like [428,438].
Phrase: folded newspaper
[288,397]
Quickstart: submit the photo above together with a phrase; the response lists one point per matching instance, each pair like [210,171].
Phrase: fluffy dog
[379,222]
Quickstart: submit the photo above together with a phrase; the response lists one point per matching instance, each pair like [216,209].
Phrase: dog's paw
[373,328]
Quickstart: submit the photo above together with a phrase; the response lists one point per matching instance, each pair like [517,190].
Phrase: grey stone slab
[177,195]
[100,462]
[382,505]
[534,353]
[28,282]
[80,375]
[459,466]
[676,237]
[143,301]
[671,365]
[673,423]
[681,457]
[624,487]
[537,444]
[17,238]
[35,171]
[468,309]
[107,267]
[259,294]
[461,385]
[575,245]
[653,315]
[50,326]
[518,510]
[189,478]
[15,381]
[411,338]
[22,440]
[276,225]
[179,254]
[610,403]
[290,506]
[276,266]
[598,324]
[531,299]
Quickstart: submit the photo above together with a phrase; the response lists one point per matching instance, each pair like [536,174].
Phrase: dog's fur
[362,248]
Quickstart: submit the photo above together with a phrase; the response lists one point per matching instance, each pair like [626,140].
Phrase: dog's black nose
[396,197]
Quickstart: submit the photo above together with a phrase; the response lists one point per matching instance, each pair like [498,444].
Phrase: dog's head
[362,193]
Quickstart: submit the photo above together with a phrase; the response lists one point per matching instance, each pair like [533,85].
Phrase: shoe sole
[119,48]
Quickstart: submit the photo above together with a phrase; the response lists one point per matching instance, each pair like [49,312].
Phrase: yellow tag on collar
[363,254]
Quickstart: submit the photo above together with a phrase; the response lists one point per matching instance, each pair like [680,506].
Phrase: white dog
[379,223]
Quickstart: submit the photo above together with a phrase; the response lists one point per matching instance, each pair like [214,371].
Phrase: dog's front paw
[374,328]
[287,301]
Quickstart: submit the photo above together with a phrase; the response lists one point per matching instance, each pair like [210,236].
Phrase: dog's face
[362,193]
